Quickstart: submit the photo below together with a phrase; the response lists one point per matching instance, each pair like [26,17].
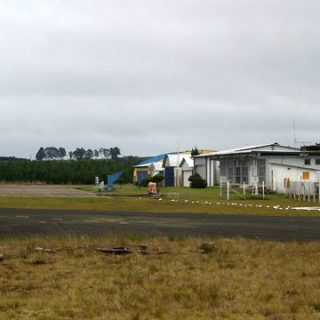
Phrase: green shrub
[197,182]
[144,182]
[158,178]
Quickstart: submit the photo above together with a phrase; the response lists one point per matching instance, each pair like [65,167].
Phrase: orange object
[306,175]
[152,187]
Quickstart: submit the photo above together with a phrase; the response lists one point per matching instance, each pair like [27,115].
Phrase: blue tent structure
[112,178]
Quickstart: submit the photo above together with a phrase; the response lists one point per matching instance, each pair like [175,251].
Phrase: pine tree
[195,151]
[62,152]
[40,154]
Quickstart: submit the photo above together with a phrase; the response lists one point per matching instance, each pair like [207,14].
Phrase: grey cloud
[149,76]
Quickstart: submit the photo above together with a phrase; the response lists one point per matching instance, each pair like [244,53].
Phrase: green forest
[66,171]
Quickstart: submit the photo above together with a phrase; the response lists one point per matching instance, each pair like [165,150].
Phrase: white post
[262,189]
[300,191]
[244,188]
[228,190]
[96,181]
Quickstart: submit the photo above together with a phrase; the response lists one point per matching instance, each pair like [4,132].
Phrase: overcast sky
[157,76]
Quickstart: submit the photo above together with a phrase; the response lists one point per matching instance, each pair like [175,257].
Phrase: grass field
[131,198]
[235,279]
[210,193]
[239,279]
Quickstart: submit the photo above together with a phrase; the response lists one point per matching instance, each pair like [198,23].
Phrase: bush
[158,178]
[197,182]
[144,182]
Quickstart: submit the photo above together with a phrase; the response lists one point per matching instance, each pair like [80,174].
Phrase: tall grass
[240,279]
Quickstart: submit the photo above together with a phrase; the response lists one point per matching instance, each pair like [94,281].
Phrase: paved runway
[27,222]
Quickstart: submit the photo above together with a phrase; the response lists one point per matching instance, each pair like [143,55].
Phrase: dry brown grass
[241,279]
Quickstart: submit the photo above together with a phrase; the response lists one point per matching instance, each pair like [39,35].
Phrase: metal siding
[212,172]
[186,176]
[201,170]
[208,172]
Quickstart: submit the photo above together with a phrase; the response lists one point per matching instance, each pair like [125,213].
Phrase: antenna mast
[295,141]
[294,130]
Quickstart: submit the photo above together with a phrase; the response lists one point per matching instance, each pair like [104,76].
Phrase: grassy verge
[239,279]
[210,193]
[133,199]
[117,204]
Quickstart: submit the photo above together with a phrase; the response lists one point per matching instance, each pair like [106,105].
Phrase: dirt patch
[42,191]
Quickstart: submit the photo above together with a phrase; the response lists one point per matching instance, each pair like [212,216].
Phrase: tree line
[54,153]
[67,171]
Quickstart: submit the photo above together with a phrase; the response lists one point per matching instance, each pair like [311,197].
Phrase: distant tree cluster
[50,153]
[315,147]
[195,151]
[53,153]
[12,159]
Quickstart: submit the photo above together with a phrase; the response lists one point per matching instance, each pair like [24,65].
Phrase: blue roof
[153,159]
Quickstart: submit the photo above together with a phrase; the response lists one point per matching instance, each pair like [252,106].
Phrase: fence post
[228,190]
[304,192]
[262,189]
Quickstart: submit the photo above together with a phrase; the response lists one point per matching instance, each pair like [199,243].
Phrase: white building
[178,167]
[273,164]
[208,168]
[186,166]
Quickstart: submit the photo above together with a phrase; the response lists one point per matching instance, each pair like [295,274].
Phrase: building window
[261,171]
[238,175]
[306,175]
[223,169]
[235,170]
[307,161]
[230,174]
[318,161]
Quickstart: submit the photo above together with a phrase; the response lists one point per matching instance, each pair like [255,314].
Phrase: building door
[141,175]
[169,176]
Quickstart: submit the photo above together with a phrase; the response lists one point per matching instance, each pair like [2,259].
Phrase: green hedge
[66,171]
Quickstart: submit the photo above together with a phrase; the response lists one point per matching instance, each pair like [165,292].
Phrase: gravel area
[42,190]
